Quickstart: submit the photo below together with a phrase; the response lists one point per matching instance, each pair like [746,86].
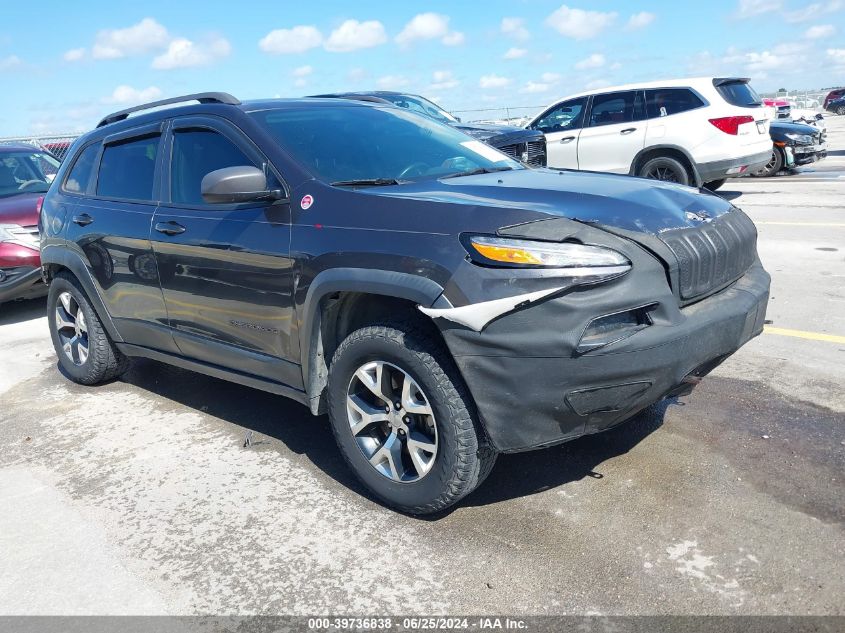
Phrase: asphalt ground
[138,497]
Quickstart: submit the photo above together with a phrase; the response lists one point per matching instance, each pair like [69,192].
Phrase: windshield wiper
[367,182]
[480,170]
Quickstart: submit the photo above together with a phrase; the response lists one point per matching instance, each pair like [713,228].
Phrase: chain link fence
[505,115]
[56,144]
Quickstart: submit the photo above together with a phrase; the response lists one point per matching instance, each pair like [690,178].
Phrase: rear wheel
[85,351]
[666,169]
[774,165]
[715,184]
[403,419]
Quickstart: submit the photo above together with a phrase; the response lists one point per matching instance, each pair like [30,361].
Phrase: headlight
[582,260]
[17,234]
[804,139]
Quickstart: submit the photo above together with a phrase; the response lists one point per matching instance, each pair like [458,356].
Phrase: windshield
[26,172]
[350,143]
[421,106]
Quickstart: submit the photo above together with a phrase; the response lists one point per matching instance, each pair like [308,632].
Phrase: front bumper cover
[22,282]
[533,388]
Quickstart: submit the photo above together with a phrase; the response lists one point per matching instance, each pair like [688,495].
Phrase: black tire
[463,458]
[665,168]
[715,184]
[772,167]
[840,110]
[104,362]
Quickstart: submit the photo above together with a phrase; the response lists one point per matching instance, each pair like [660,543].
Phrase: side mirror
[819,116]
[236,184]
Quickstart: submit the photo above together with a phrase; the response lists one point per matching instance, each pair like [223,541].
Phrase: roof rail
[202,97]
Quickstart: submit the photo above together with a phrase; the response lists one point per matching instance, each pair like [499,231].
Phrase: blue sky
[74,62]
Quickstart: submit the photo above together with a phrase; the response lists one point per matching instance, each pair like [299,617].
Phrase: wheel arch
[673,151]
[339,299]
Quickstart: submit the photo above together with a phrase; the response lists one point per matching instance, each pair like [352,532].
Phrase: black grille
[714,254]
[534,152]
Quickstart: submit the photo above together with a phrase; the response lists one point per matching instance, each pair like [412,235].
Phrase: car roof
[17,147]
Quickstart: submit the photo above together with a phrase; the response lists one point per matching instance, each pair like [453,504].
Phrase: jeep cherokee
[439,300]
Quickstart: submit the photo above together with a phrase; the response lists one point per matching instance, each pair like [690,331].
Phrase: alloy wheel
[392,421]
[666,174]
[72,329]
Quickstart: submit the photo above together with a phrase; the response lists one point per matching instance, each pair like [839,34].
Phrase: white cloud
[127,95]
[287,41]
[550,78]
[534,87]
[515,53]
[819,31]
[356,74]
[837,56]
[429,26]
[814,11]
[615,66]
[10,62]
[303,71]
[515,27]
[758,62]
[640,20]
[301,82]
[596,60]
[443,80]
[750,8]
[391,82]
[579,24]
[184,53]
[74,55]
[145,37]
[353,35]
[493,81]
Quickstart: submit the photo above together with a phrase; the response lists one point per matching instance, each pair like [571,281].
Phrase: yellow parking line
[803,223]
[813,336]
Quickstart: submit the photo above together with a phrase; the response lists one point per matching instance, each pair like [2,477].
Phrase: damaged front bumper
[589,358]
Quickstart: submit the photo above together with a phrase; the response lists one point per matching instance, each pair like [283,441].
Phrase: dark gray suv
[439,300]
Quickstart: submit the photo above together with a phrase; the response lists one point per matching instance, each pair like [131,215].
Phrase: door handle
[567,139]
[169,228]
[628,130]
[83,219]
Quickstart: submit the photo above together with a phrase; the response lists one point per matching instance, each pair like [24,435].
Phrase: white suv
[691,131]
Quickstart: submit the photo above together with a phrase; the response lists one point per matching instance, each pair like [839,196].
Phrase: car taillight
[38,204]
[730,124]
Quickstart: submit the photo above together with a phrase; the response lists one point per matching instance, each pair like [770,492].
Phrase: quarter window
[666,101]
[127,169]
[197,152]
[568,115]
[79,175]
[613,107]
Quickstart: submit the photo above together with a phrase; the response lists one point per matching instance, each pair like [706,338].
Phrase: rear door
[225,268]
[561,125]
[614,133]
[110,225]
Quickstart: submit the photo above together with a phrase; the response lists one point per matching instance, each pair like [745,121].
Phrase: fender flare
[420,290]
[59,256]
[696,177]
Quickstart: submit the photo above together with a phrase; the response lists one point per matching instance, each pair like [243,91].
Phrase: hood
[794,128]
[624,202]
[20,209]
[487,132]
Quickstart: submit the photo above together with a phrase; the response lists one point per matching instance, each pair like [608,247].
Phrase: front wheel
[665,168]
[774,165]
[403,420]
[840,110]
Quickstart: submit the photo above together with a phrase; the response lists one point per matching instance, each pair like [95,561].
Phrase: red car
[25,175]
[837,93]
[782,107]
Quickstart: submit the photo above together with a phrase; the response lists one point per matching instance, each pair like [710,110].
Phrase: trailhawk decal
[307,201]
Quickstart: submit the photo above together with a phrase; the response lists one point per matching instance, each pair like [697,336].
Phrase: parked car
[781,107]
[524,145]
[837,106]
[688,131]
[25,176]
[793,145]
[440,300]
[836,93]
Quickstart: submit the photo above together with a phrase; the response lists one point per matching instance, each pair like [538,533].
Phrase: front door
[614,133]
[225,269]
[562,125]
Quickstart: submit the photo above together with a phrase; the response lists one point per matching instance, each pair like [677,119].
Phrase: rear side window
[613,107]
[127,169]
[79,175]
[667,101]
[739,93]
[197,152]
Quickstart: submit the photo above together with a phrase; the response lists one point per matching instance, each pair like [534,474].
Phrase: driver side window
[568,115]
